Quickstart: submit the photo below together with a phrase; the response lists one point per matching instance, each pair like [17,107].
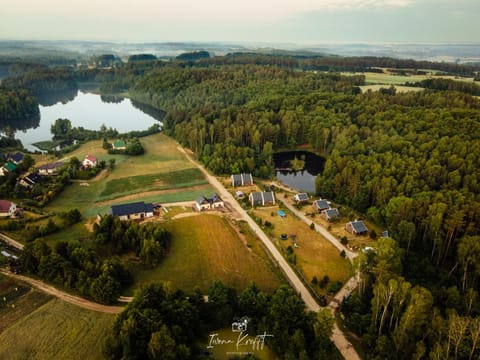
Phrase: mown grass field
[399,88]
[56,330]
[206,248]
[162,174]
[315,255]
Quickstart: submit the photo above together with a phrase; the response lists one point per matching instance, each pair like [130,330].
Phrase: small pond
[302,180]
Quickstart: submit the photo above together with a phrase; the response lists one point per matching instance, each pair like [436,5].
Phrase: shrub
[334,287]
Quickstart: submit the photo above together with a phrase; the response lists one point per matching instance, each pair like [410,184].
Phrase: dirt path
[11,242]
[338,337]
[72,299]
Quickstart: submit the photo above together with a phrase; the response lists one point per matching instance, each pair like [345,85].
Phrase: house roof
[212,199]
[322,204]
[31,178]
[332,213]
[119,143]
[237,177]
[16,157]
[269,196]
[358,226]
[91,158]
[5,206]
[201,200]
[256,196]
[302,196]
[52,166]
[247,178]
[10,166]
[131,208]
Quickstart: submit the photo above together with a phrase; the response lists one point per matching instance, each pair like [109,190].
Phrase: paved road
[338,337]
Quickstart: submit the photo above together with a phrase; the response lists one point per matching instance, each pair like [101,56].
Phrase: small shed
[301,198]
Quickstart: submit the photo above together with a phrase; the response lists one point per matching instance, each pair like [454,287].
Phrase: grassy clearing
[160,181]
[399,88]
[206,248]
[57,330]
[315,255]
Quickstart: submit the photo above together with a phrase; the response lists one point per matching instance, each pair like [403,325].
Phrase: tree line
[165,324]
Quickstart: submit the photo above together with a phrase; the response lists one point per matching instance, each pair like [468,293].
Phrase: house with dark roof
[262,198]
[356,227]
[29,180]
[7,208]
[16,158]
[209,203]
[132,211]
[90,161]
[321,204]
[8,167]
[331,214]
[242,180]
[301,198]
[119,145]
[51,169]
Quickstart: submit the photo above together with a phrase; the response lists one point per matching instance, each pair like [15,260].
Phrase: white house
[90,161]
[7,208]
[213,202]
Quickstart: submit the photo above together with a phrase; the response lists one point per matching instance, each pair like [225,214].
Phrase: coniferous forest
[408,161]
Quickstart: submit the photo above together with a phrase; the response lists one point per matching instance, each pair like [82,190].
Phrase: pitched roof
[131,208]
[212,199]
[10,166]
[358,226]
[51,166]
[332,213]
[322,204]
[5,206]
[16,157]
[256,196]
[31,178]
[91,158]
[201,200]
[247,178]
[119,143]
[302,196]
[268,196]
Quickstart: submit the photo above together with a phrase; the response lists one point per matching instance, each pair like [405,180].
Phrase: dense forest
[162,324]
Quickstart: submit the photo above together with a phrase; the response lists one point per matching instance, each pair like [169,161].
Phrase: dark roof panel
[132,208]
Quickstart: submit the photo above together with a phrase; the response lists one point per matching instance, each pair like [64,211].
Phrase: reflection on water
[303,180]
[57,97]
[89,111]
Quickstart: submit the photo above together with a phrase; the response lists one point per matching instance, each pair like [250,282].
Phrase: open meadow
[34,325]
[206,248]
[162,174]
[315,256]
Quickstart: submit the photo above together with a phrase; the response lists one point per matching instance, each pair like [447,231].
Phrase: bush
[324,282]
[344,240]
[314,281]
[343,254]
[312,226]
[373,234]
[334,287]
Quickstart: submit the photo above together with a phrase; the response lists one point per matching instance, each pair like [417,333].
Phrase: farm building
[301,198]
[242,179]
[262,198]
[331,214]
[356,227]
[204,203]
[7,208]
[50,169]
[90,161]
[321,204]
[29,180]
[119,145]
[132,211]
[7,168]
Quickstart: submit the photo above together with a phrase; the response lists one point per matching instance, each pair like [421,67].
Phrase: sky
[278,21]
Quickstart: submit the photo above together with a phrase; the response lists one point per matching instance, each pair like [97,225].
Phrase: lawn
[315,255]
[56,330]
[206,248]
[399,88]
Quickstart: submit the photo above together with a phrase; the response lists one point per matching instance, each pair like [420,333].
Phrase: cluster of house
[262,198]
[323,207]
[10,162]
[50,169]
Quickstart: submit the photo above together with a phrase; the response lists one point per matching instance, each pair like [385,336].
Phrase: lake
[90,111]
[303,180]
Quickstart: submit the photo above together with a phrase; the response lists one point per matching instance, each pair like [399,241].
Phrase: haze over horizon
[266,21]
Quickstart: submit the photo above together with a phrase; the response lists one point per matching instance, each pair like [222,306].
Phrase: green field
[206,248]
[163,174]
[56,330]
